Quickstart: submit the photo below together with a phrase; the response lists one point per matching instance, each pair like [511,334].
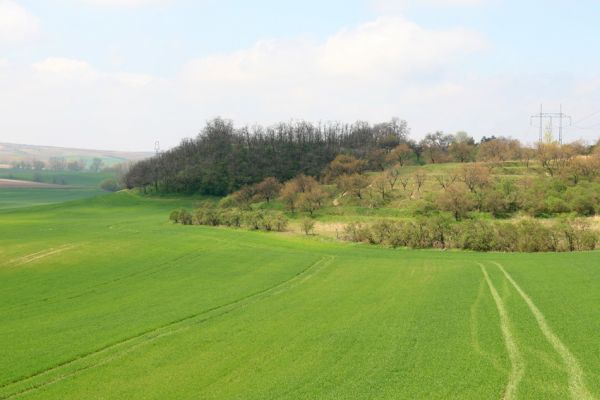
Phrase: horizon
[122,74]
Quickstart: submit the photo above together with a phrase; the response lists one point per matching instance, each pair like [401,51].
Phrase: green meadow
[103,298]
[71,178]
[27,197]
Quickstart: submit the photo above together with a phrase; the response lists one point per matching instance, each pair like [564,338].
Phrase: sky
[122,74]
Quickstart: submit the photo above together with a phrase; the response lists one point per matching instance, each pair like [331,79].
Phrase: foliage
[307,225]
[109,185]
[527,235]
[231,217]
[222,159]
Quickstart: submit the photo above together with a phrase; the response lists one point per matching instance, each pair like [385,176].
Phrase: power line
[550,116]
[587,117]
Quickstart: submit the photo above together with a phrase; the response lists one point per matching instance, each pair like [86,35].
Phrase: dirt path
[577,385]
[516,359]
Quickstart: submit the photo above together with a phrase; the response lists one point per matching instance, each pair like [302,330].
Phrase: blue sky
[121,74]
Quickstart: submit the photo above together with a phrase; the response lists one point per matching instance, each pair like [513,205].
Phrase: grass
[27,197]
[103,298]
[71,178]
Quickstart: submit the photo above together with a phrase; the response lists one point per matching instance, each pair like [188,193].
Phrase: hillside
[11,152]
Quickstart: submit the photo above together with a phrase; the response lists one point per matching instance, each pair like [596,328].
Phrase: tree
[295,193]
[57,163]
[267,190]
[446,180]
[404,181]
[392,175]
[527,154]
[377,159]
[312,200]
[76,165]
[380,184]
[353,184]
[401,154]
[244,197]
[456,200]
[96,164]
[475,176]
[420,176]
[38,165]
[554,157]
[498,150]
[289,195]
[435,147]
[462,147]
[344,164]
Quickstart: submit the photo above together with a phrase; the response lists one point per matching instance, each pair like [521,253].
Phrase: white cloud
[17,25]
[357,73]
[385,50]
[384,68]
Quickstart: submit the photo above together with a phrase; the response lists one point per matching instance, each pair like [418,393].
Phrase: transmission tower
[561,116]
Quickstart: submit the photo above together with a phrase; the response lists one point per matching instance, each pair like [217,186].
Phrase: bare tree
[446,180]
[392,175]
[420,177]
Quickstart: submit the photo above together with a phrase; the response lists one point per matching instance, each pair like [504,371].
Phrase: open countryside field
[71,178]
[103,298]
[19,189]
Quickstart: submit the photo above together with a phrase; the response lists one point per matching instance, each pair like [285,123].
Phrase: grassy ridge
[105,299]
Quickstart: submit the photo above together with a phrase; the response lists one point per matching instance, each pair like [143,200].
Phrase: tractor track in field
[475,330]
[26,259]
[577,386]
[108,353]
[516,358]
[90,289]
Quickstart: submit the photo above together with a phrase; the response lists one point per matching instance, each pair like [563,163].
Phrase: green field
[27,197]
[104,299]
[71,178]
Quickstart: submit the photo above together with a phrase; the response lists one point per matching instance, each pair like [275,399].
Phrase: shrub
[174,216]
[185,217]
[356,232]
[307,225]
[280,222]
[109,185]
[231,217]
[475,235]
[534,237]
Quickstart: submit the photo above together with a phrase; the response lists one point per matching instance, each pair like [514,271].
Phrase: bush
[307,225]
[174,216]
[185,217]
[231,217]
[356,232]
[109,185]
[481,235]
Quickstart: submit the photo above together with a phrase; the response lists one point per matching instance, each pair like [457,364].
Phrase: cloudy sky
[121,74]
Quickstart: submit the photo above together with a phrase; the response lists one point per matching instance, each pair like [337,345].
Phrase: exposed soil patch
[13,183]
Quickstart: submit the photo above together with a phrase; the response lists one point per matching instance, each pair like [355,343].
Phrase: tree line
[223,158]
[59,164]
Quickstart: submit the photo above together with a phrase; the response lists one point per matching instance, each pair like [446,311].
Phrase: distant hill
[11,152]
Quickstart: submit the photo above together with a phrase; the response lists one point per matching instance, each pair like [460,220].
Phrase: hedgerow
[527,235]
[231,217]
